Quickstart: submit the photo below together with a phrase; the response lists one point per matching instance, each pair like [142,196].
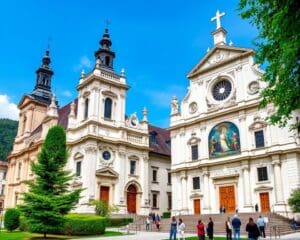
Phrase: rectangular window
[2,189]
[78,168]
[152,138]
[86,108]
[4,175]
[196,183]
[154,200]
[259,139]
[262,174]
[194,149]
[169,201]
[169,178]
[132,167]
[154,175]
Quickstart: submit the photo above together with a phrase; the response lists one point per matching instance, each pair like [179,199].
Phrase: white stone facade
[237,173]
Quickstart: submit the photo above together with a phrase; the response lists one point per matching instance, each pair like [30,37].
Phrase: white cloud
[162,98]
[67,93]
[8,109]
[84,63]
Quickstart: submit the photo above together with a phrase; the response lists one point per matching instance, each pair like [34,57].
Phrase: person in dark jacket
[228,228]
[236,225]
[252,229]
[210,229]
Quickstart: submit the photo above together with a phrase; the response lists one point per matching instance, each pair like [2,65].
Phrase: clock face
[106,155]
[221,90]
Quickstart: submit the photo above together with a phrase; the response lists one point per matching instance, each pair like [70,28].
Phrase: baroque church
[116,158]
[218,151]
[224,154]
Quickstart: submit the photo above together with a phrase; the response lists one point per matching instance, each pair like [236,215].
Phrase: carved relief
[193,107]
[253,87]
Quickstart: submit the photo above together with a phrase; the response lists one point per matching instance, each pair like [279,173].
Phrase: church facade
[224,154]
[116,158]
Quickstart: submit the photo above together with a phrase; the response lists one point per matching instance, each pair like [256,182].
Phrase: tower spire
[104,53]
[44,73]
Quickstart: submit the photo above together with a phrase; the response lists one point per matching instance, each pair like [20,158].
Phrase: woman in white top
[181,228]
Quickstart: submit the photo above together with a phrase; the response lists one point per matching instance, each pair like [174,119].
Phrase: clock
[221,90]
[106,155]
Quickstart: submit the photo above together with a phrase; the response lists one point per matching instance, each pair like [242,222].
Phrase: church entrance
[227,198]
[197,206]
[131,199]
[104,194]
[264,202]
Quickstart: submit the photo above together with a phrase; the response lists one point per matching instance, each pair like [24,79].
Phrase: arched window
[107,61]
[107,108]
[86,108]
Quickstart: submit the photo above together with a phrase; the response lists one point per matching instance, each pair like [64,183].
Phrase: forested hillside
[8,131]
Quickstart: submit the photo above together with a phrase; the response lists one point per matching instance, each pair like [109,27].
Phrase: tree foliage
[49,199]
[102,208]
[278,46]
[294,200]
[11,219]
[8,131]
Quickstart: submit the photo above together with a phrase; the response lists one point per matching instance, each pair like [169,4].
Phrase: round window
[106,155]
[221,90]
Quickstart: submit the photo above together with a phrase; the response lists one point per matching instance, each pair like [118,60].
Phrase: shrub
[23,224]
[12,219]
[84,224]
[118,222]
[102,208]
[166,214]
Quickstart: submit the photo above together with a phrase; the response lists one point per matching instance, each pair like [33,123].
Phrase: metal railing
[274,232]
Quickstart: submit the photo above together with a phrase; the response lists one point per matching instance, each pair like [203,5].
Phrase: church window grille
[107,108]
[78,168]
[262,174]
[154,175]
[86,108]
[259,139]
[194,149]
[196,183]
[154,200]
[221,90]
[132,167]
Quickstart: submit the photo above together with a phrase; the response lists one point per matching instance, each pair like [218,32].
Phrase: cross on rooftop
[217,18]
[107,22]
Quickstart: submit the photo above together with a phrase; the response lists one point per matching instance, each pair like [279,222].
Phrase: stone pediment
[107,172]
[263,188]
[219,55]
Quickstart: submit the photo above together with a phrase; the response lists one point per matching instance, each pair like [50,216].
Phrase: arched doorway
[131,198]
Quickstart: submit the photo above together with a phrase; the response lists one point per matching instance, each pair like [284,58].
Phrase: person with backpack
[236,225]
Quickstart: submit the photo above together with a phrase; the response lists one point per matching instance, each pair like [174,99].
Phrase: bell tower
[104,53]
[42,89]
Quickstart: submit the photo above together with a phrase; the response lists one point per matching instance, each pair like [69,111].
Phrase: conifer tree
[49,198]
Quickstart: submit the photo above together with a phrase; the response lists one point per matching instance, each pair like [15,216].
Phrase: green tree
[8,131]
[294,200]
[49,198]
[278,46]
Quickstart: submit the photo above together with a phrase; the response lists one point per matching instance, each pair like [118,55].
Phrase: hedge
[11,219]
[166,214]
[118,222]
[84,224]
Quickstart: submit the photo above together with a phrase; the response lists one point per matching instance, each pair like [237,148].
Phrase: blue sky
[157,42]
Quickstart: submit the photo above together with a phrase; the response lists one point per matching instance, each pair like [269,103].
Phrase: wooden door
[104,194]
[227,198]
[264,202]
[197,206]
[131,199]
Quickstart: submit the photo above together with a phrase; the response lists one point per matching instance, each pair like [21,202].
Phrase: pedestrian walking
[200,230]
[181,229]
[261,226]
[157,222]
[236,225]
[173,228]
[148,223]
[228,229]
[210,229]
[252,229]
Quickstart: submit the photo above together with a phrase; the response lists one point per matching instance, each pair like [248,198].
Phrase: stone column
[20,127]
[277,179]
[184,207]
[247,186]
[89,170]
[206,207]
[243,131]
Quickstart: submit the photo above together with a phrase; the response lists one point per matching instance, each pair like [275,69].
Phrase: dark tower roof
[104,53]
[42,89]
